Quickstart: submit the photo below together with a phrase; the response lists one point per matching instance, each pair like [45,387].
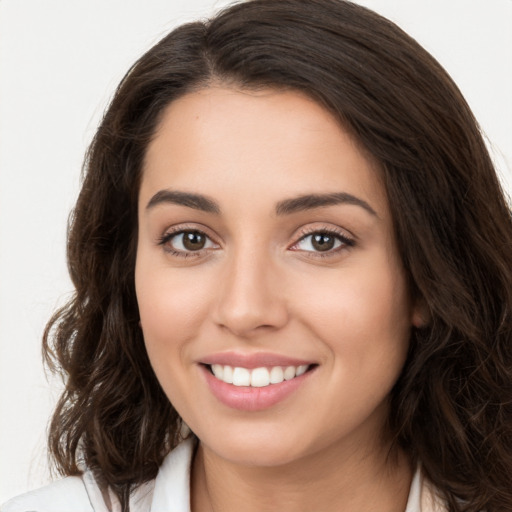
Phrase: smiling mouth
[257,377]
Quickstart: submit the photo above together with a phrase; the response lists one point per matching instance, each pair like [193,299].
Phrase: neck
[329,481]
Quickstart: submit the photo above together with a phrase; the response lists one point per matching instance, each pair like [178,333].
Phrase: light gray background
[60,61]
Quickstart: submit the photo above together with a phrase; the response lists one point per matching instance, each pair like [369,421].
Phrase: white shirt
[169,492]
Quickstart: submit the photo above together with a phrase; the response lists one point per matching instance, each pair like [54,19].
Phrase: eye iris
[322,241]
[193,240]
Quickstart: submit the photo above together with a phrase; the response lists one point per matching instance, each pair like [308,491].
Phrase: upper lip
[251,361]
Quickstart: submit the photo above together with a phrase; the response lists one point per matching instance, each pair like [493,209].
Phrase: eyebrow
[195,201]
[287,207]
[312,201]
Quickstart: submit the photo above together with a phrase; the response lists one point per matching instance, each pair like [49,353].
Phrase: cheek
[172,306]
[361,315]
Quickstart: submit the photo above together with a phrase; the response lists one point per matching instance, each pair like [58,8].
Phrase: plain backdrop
[60,61]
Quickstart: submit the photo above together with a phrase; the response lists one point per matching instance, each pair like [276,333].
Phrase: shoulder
[66,495]
[169,491]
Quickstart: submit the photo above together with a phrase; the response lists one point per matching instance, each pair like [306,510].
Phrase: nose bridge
[250,296]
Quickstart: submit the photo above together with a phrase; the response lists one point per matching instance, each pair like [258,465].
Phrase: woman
[290,237]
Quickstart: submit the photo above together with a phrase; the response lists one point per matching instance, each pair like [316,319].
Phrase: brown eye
[193,240]
[182,243]
[322,241]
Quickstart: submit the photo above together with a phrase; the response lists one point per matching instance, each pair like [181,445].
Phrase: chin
[263,449]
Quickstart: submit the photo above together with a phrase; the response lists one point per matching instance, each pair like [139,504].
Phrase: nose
[251,297]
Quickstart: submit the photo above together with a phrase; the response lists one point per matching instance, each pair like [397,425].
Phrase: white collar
[172,484]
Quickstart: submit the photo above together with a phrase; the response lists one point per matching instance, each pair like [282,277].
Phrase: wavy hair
[451,408]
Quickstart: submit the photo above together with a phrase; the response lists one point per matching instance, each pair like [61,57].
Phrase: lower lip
[247,398]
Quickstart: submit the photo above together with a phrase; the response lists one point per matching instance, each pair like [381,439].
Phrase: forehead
[273,142]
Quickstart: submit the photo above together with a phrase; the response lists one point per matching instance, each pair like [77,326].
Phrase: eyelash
[169,235]
[341,236]
[346,242]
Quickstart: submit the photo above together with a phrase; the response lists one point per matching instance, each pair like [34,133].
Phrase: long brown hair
[452,406]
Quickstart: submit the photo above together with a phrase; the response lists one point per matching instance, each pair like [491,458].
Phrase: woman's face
[266,254]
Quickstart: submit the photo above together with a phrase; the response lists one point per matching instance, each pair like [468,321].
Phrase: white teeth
[227,375]
[258,377]
[241,377]
[301,369]
[276,375]
[289,373]
[218,370]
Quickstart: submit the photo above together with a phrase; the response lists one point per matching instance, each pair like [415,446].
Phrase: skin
[259,285]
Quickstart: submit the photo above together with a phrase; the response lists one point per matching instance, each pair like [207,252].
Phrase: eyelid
[347,239]
[344,236]
[187,226]
[172,231]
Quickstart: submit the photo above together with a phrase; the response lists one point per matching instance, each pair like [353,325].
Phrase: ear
[421,315]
